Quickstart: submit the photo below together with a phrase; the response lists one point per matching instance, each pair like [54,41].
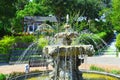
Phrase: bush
[24,39]
[95,68]
[102,35]
[42,42]
[115,71]
[2,77]
[6,44]
[118,42]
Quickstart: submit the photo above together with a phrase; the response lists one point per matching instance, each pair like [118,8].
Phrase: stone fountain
[65,58]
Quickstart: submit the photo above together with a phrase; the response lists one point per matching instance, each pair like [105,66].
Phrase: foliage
[31,9]
[18,9]
[81,26]
[93,39]
[115,71]
[25,39]
[20,4]
[2,77]
[88,8]
[115,16]
[93,26]
[97,40]
[102,35]
[6,44]
[118,42]
[13,74]
[95,68]
[7,13]
[42,42]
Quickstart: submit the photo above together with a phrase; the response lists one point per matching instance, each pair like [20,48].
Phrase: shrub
[25,39]
[118,42]
[102,35]
[42,42]
[115,71]
[2,77]
[95,68]
[6,44]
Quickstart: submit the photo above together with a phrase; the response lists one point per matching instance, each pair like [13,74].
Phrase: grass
[96,68]
[92,76]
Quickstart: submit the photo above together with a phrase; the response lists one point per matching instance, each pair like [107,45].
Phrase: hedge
[24,39]
[7,42]
[118,42]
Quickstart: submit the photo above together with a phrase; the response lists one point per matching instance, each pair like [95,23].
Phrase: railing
[4,58]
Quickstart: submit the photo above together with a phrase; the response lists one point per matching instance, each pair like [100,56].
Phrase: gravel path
[104,60]
[6,69]
[101,61]
[107,61]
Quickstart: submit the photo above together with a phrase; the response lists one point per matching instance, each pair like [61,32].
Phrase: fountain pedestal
[69,69]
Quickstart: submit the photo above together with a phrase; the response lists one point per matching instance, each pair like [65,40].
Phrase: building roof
[40,19]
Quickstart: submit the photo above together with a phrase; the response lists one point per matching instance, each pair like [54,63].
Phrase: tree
[7,11]
[60,7]
[115,16]
[31,9]
[20,4]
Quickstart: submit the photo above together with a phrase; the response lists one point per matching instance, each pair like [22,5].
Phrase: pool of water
[86,76]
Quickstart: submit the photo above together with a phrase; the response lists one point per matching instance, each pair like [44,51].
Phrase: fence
[4,58]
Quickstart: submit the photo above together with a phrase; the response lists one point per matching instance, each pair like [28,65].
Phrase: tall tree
[31,9]
[7,11]
[20,4]
[115,16]
[60,7]
[88,8]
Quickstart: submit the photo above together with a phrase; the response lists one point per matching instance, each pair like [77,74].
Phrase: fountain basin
[66,50]
[88,75]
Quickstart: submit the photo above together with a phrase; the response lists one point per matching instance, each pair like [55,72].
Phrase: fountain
[66,58]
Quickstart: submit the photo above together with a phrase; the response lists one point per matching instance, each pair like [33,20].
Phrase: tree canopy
[7,12]
[115,16]
[12,12]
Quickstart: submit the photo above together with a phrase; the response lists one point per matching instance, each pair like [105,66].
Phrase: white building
[32,22]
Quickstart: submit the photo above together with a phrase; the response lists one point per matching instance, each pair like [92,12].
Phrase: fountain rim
[102,73]
[83,71]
